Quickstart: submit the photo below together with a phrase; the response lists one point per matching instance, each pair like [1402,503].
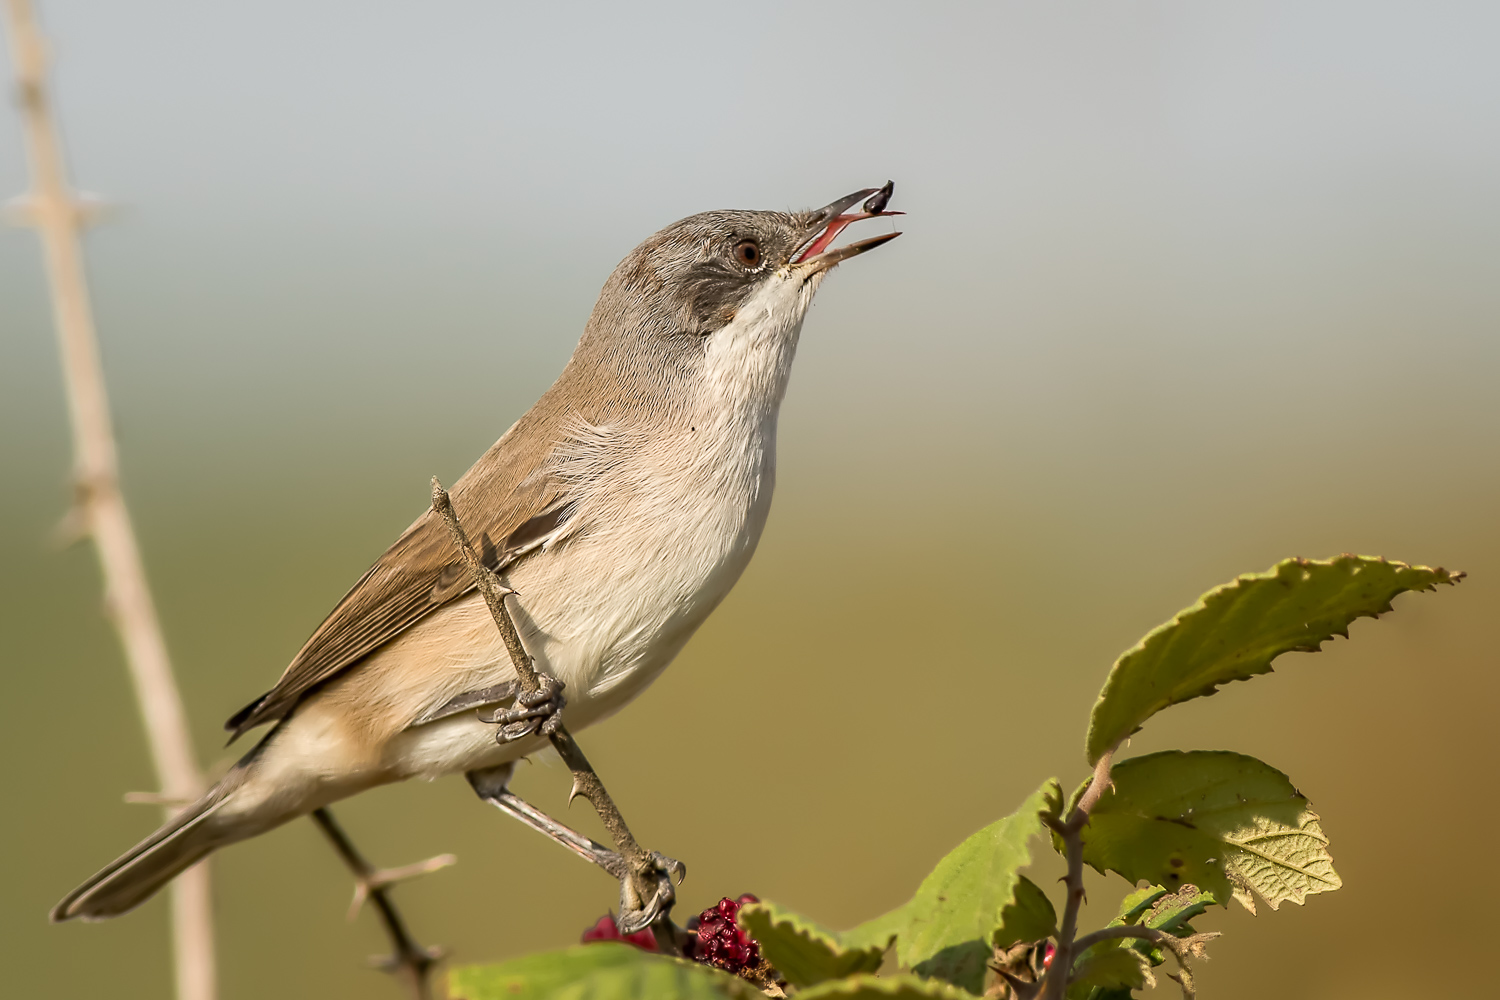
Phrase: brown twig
[585,780]
[409,961]
[53,210]
[1182,948]
[1055,982]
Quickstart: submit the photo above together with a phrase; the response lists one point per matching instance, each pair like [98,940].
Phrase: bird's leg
[649,873]
[410,961]
[538,711]
[635,913]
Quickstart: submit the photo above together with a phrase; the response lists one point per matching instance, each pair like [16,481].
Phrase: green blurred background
[1185,289]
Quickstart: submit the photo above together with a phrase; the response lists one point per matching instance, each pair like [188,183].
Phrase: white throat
[748,362]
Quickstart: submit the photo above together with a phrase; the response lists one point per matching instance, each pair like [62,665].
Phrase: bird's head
[698,275]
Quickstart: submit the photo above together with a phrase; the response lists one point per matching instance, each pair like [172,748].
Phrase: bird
[619,510]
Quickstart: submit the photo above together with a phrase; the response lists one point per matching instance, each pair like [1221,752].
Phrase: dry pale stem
[53,210]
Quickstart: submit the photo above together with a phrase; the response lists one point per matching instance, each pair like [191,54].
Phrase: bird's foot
[538,711]
[637,914]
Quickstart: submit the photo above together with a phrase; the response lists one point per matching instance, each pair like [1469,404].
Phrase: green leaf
[1236,630]
[605,970]
[1029,917]
[801,950]
[868,987]
[1110,969]
[1138,902]
[1152,907]
[877,933]
[1223,821]
[963,964]
[1172,911]
[951,922]
[974,898]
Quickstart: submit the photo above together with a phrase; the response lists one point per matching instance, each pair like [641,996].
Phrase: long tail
[135,876]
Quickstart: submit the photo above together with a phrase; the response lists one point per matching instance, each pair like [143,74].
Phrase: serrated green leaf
[1223,821]
[1132,907]
[1152,907]
[1029,917]
[604,970]
[801,950]
[947,930]
[537,975]
[1236,630]
[1110,969]
[879,932]
[959,906]
[868,987]
[963,964]
[1136,903]
[1172,911]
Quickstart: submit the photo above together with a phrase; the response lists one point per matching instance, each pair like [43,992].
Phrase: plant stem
[1055,983]
[1181,948]
[409,960]
[99,506]
[585,779]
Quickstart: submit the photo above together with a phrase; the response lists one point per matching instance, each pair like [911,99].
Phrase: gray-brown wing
[415,576]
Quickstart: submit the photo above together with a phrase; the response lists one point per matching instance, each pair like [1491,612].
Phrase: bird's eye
[747,252]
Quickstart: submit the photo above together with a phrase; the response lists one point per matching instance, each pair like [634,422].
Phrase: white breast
[676,524]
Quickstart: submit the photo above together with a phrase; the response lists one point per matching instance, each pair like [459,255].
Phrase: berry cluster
[713,938]
[605,930]
[721,943]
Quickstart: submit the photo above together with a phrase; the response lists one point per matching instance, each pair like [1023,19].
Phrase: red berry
[642,939]
[604,930]
[721,943]
[607,930]
[1047,954]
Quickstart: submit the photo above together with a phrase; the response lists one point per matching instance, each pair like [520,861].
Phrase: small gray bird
[621,509]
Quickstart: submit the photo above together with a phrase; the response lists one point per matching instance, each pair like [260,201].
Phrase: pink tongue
[830,234]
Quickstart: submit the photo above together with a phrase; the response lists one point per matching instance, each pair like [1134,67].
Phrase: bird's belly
[605,614]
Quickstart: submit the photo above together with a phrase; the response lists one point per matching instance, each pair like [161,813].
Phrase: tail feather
[136,875]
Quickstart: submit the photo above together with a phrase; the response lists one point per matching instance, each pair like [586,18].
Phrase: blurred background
[1185,289]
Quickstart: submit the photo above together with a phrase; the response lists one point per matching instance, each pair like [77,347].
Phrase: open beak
[831,220]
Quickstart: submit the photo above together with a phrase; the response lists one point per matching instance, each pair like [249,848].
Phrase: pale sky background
[1184,288]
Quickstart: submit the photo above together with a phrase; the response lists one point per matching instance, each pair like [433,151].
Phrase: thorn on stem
[385,877]
[72,528]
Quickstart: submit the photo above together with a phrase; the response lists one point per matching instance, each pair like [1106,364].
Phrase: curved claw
[632,920]
[664,868]
[669,865]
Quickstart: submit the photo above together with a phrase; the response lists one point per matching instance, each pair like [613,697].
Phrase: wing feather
[418,574]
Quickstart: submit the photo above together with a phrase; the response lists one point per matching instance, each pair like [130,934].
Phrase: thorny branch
[409,961]
[643,882]
[1182,948]
[55,212]
[1055,982]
